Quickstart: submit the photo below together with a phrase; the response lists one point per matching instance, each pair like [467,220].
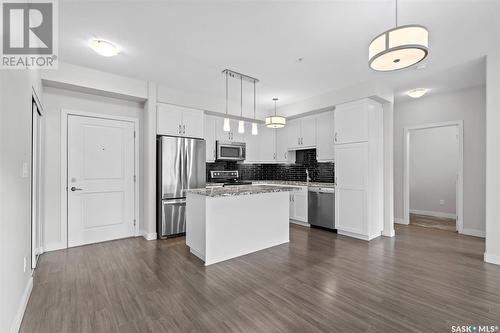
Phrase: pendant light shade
[241,126]
[399,48]
[255,129]
[227,125]
[275,121]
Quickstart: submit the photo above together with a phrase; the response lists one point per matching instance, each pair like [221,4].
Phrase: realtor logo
[29,34]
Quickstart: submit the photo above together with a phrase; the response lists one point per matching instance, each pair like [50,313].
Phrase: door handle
[76,189]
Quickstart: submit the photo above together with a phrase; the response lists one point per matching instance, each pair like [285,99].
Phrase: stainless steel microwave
[231,151]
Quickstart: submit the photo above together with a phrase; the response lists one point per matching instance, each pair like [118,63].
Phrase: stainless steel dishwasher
[321,207]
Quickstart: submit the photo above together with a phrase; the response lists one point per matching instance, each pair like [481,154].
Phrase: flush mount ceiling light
[399,47]
[417,92]
[103,47]
[275,121]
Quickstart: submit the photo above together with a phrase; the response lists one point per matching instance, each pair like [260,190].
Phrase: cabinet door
[300,206]
[209,130]
[325,145]
[282,144]
[267,147]
[351,123]
[351,161]
[169,120]
[308,132]
[253,147]
[192,123]
[293,133]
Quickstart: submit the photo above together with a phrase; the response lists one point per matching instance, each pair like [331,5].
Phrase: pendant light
[241,123]
[255,129]
[275,121]
[399,47]
[227,125]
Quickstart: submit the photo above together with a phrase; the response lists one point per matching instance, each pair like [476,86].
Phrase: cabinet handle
[180,131]
[184,129]
[298,141]
[335,137]
[274,156]
[301,141]
[285,155]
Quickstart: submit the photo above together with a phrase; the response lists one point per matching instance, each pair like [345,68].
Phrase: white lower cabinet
[299,205]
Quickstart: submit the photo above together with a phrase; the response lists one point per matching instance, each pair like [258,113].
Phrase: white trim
[304,224]
[474,232]
[149,235]
[54,246]
[64,167]
[435,214]
[358,236]
[406,168]
[18,319]
[390,233]
[400,220]
[491,258]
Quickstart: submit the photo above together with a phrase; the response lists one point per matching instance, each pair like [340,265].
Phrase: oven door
[230,152]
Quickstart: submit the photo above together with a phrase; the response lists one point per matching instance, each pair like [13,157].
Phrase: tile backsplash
[318,171]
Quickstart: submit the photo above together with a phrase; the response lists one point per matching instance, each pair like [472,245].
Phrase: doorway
[100,178]
[433,176]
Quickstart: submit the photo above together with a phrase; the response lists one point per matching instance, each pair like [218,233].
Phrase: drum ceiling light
[275,121]
[399,47]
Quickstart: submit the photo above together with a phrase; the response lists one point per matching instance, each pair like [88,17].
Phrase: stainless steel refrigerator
[181,166]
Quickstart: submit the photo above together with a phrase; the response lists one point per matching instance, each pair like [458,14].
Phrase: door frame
[460,169]
[65,113]
[38,222]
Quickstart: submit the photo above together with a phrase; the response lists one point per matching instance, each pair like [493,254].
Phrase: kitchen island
[227,222]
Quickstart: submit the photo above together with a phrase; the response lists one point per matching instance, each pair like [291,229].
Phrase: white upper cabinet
[301,133]
[351,122]
[282,144]
[210,123]
[179,121]
[267,147]
[307,132]
[253,147]
[325,145]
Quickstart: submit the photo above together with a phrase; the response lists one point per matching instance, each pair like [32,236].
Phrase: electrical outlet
[25,262]
[441,202]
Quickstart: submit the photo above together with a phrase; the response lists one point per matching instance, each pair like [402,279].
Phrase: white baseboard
[304,224]
[492,258]
[54,247]
[435,214]
[358,236]
[148,235]
[399,220]
[16,325]
[473,232]
[389,233]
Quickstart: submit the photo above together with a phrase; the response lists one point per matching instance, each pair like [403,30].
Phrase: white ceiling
[186,44]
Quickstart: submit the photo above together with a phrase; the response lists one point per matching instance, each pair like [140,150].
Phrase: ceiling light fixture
[417,92]
[241,123]
[275,121]
[399,47]
[255,129]
[103,47]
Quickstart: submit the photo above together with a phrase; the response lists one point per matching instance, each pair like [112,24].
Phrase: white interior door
[100,179]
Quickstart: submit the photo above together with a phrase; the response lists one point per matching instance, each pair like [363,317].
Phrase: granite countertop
[293,183]
[241,190]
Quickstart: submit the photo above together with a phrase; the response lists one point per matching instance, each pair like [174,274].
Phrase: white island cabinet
[228,222]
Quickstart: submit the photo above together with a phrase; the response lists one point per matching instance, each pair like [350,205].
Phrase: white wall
[433,170]
[54,100]
[492,253]
[468,105]
[15,206]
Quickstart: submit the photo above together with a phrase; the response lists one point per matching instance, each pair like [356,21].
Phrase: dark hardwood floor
[433,222]
[420,281]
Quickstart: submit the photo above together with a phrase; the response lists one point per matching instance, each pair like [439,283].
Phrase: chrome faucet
[308,179]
